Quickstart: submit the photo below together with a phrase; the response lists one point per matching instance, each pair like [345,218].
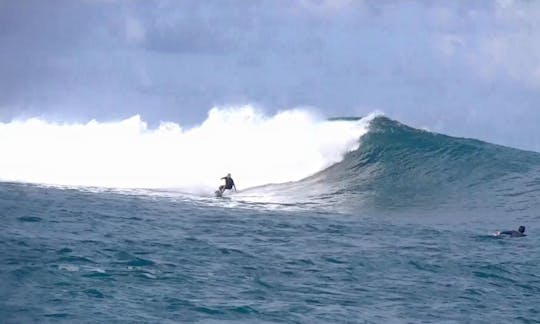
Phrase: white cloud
[449,44]
[497,43]
[135,32]
[326,4]
[325,8]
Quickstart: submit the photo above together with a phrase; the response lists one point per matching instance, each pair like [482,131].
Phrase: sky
[463,68]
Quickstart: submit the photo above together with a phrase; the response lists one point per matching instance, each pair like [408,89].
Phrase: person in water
[519,233]
[229,183]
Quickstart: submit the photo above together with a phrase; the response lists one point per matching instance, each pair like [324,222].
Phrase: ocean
[349,220]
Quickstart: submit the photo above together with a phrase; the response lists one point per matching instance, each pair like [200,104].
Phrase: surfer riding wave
[229,184]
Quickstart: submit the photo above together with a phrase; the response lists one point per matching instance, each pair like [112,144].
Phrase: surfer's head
[228,175]
[521,229]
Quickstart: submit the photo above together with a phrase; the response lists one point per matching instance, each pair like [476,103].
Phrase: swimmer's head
[521,229]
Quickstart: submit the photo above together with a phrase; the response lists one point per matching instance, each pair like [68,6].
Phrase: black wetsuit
[513,233]
[229,182]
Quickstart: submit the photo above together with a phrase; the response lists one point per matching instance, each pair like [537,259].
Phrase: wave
[254,147]
[396,167]
[293,158]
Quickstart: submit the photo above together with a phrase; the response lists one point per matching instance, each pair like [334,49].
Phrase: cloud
[449,45]
[506,45]
[329,7]
[426,63]
[135,31]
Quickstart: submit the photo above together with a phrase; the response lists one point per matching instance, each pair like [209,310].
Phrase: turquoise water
[399,231]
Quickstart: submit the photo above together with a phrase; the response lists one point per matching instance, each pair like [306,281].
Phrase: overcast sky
[464,68]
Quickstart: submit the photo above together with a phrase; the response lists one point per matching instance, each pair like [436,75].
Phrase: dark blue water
[399,231]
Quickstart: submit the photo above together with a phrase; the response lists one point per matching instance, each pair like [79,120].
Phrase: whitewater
[341,220]
[257,149]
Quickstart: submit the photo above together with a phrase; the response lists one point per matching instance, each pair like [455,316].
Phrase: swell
[397,166]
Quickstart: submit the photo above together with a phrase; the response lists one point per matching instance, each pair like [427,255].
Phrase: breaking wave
[256,148]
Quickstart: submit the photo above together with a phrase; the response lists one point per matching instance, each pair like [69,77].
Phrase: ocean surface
[399,230]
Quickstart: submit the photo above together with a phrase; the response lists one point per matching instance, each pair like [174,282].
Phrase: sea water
[399,229]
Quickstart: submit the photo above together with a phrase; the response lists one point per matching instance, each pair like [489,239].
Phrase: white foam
[257,149]
[68,267]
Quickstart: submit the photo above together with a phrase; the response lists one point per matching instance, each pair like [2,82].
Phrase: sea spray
[256,148]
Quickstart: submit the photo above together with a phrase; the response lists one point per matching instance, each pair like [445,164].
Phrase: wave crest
[256,148]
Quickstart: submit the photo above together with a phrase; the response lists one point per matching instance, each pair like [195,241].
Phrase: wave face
[397,167]
[256,148]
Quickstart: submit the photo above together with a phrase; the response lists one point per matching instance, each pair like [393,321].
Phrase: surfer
[229,184]
[512,233]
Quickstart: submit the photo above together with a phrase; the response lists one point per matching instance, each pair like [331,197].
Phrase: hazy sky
[465,68]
